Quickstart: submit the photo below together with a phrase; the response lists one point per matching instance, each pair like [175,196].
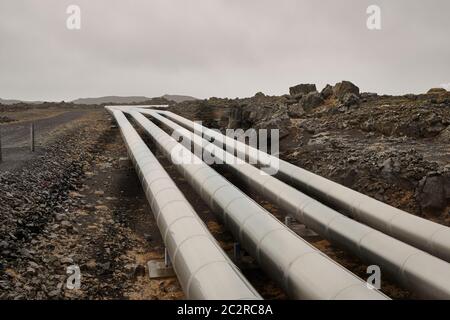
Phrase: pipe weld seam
[431,243]
[403,266]
[287,270]
[337,216]
[345,288]
[174,221]
[258,245]
[160,178]
[193,274]
[362,238]
[165,189]
[214,193]
[225,209]
[243,223]
[170,202]
[389,222]
[209,177]
[177,249]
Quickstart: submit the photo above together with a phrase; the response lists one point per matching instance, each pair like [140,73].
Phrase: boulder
[350,99]
[311,100]
[280,121]
[437,91]
[434,192]
[235,118]
[444,136]
[302,89]
[295,111]
[344,87]
[327,92]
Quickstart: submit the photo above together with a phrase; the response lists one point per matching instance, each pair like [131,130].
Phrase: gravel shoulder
[16,134]
[79,204]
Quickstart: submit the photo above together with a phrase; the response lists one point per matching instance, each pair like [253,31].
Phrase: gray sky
[219,47]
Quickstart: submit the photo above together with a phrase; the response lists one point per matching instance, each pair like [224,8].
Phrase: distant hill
[178,98]
[130,99]
[13,101]
[112,100]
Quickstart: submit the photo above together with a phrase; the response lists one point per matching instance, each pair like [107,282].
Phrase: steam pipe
[424,234]
[417,270]
[303,271]
[203,269]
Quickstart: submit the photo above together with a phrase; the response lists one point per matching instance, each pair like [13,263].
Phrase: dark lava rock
[444,136]
[311,100]
[436,91]
[434,192]
[350,99]
[344,87]
[302,89]
[280,121]
[327,92]
[4,119]
[296,111]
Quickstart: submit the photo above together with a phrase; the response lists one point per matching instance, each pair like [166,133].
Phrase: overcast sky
[223,48]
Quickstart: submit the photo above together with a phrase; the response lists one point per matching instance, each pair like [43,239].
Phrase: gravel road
[18,134]
[15,137]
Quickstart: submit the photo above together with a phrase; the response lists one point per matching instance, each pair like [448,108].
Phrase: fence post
[32,137]
[1,157]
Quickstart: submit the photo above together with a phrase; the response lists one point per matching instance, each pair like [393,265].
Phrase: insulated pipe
[303,271]
[426,235]
[203,269]
[417,270]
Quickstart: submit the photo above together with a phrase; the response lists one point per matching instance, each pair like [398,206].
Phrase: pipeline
[426,235]
[303,271]
[417,270]
[196,256]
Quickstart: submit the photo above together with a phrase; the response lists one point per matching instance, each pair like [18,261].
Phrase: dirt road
[17,134]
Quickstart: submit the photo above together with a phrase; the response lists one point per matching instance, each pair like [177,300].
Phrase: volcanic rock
[302,89]
[344,87]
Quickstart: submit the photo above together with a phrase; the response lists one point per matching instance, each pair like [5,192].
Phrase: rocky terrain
[78,202]
[77,199]
[393,148]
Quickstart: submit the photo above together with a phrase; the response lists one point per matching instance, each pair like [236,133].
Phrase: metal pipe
[203,269]
[303,271]
[424,234]
[417,270]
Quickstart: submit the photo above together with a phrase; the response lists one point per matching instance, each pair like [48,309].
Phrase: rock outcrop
[302,89]
[311,100]
[349,100]
[437,91]
[344,87]
[296,111]
[327,92]
[434,192]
